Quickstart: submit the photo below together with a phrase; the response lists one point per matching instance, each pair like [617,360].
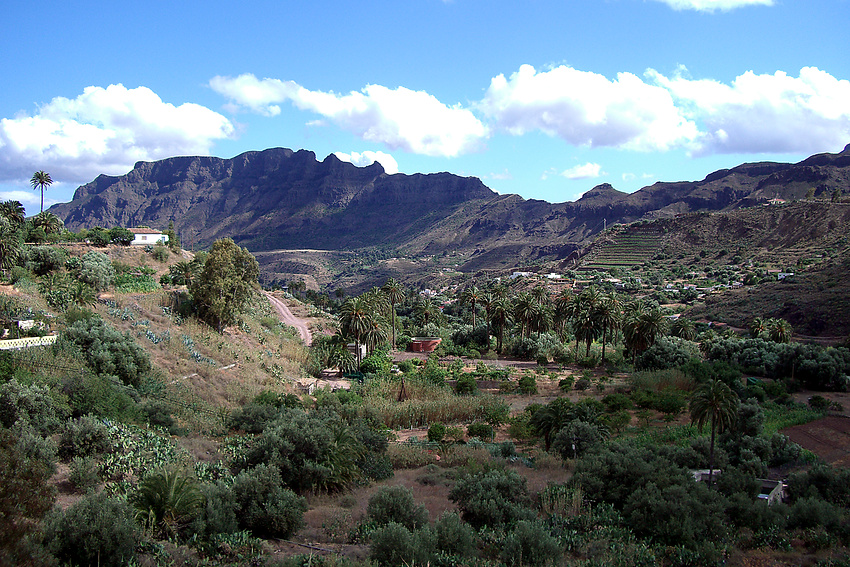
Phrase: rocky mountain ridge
[283,199]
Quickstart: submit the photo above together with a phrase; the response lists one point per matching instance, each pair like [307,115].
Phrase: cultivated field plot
[828,438]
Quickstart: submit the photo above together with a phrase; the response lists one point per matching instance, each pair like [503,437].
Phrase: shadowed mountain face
[280,199]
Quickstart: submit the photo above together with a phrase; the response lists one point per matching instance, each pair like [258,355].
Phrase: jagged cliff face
[280,199]
[272,199]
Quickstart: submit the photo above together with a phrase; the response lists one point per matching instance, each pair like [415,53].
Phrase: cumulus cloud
[413,121]
[368,157]
[104,130]
[714,5]
[585,171]
[765,113]
[586,108]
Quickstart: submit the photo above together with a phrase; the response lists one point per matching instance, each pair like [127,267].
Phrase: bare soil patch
[828,438]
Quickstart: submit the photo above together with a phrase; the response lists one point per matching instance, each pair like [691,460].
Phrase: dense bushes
[107,351]
[494,498]
[97,530]
[395,504]
[815,367]
[264,505]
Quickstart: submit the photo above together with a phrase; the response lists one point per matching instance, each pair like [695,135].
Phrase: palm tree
[549,419]
[778,330]
[471,296]
[715,403]
[757,327]
[684,329]
[424,310]
[10,244]
[13,211]
[500,317]
[525,309]
[642,326]
[49,222]
[394,293]
[166,500]
[356,319]
[41,179]
[607,316]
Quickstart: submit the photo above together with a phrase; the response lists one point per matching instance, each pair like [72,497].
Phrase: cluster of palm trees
[590,315]
[774,329]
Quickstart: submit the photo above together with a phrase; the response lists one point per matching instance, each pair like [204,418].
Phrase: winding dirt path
[287,317]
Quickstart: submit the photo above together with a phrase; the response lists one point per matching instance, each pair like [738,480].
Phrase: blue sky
[541,98]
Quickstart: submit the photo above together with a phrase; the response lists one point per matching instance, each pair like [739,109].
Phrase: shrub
[25,496]
[667,352]
[84,437]
[466,385]
[395,504]
[96,270]
[453,536]
[84,475]
[97,530]
[530,544]
[483,431]
[107,351]
[252,417]
[493,498]
[376,363]
[264,506]
[582,384]
[436,432]
[577,438]
[218,513]
[31,405]
[46,259]
[527,385]
[160,252]
[394,545]
[566,384]
[617,402]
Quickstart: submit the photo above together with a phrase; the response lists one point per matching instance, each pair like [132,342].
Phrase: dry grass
[426,403]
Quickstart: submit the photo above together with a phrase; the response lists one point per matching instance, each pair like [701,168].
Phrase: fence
[27,342]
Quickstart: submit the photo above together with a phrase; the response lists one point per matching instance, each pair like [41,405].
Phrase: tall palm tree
[525,310]
[394,293]
[356,319]
[715,403]
[607,316]
[500,317]
[41,179]
[471,296]
[642,327]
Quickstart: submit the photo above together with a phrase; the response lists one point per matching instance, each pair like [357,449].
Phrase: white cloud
[105,130]
[765,113]
[27,197]
[585,171]
[714,5]
[586,108]
[413,121]
[368,157]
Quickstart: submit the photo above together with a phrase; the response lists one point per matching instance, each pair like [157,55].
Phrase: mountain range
[279,199]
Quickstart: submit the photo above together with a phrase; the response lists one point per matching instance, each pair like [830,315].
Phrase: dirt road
[287,317]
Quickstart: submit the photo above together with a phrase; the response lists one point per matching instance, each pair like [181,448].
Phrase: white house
[145,236]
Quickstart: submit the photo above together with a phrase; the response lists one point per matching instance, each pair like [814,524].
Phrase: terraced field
[628,247]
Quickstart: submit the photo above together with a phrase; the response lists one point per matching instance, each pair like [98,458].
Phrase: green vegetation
[563,425]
